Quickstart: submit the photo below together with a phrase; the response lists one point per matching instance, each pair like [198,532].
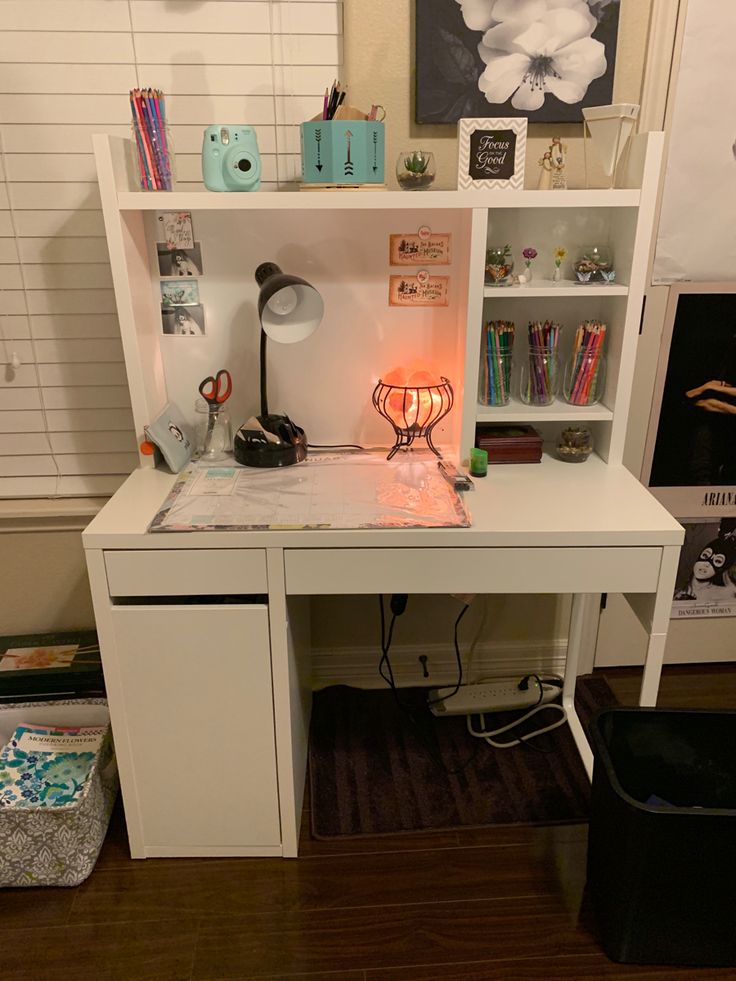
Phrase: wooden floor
[492,905]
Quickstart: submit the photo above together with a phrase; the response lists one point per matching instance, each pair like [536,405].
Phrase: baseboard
[358,666]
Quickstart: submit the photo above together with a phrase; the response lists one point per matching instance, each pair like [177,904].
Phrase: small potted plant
[415,170]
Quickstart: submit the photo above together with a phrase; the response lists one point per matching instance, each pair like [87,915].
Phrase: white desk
[221,687]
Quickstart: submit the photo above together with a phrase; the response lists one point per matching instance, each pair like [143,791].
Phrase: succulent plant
[416,162]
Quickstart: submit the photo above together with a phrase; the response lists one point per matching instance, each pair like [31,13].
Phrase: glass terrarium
[594,264]
[575,444]
[415,170]
[499,266]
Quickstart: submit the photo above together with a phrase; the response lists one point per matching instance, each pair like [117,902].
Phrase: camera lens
[244,165]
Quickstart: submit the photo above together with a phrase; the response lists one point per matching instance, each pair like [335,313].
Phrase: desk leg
[659,625]
[574,649]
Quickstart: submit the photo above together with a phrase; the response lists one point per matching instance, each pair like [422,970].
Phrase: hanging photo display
[690,459]
[183,321]
[422,290]
[184,263]
[430,249]
[175,292]
[491,154]
[175,229]
[541,59]
[706,576]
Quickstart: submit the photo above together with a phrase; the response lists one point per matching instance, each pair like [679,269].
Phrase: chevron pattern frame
[481,154]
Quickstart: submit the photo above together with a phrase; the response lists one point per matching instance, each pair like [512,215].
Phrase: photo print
[178,293]
[184,321]
[543,59]
[182,263]
[706,575]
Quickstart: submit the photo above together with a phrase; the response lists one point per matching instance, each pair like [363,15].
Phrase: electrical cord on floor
[335,446]
[385,669]
[456,689]
[488,734]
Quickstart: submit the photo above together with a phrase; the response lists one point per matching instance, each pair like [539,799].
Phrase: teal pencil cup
[343,151]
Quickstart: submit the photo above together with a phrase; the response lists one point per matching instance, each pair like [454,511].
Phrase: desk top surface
[552,504]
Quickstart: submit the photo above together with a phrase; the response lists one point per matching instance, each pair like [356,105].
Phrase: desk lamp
[289,310]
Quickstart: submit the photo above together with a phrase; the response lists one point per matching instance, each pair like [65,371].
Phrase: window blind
[66,67]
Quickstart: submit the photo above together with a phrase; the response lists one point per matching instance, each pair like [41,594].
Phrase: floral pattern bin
[58,846]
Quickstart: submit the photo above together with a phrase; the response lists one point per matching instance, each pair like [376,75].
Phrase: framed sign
[706,574]
[422,290]
[491,154]
[420,250]
[690,457]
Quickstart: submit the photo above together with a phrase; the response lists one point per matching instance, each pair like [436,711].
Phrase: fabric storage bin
[661,858]
[58,846]
[344,151]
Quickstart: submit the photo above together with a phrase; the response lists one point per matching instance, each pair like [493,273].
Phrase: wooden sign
[421,290]
[491,154]
[420,250]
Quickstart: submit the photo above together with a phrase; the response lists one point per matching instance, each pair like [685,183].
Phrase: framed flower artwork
[542,59]
[491,154]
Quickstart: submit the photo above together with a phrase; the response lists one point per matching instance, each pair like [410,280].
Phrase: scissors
[215,391]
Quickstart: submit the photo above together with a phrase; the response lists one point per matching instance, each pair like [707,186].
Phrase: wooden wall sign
[421,290]
[419,250]
[491,154]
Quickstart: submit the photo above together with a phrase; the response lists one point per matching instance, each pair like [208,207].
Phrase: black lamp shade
[289,308]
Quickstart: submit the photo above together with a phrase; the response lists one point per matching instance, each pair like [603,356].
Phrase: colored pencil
[498,341]
[582,388]
[148,110]
[541,384]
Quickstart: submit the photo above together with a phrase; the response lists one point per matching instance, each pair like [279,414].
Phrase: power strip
[493,696]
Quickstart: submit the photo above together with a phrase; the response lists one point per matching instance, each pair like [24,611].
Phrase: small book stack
[509,444]
[48,766]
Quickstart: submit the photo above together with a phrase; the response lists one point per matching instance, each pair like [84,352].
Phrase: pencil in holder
[585,373]
[496,361]
[151,138]
[540,373]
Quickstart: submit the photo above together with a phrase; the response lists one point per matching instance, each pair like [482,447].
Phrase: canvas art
[543,59]
[690,462]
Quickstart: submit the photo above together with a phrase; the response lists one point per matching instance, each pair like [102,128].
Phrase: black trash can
[662,845]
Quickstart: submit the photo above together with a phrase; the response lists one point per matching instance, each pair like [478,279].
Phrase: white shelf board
[203,200]
[559,411]
[545,287]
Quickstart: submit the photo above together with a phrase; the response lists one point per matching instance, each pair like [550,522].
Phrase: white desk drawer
[330,571]
[186,572]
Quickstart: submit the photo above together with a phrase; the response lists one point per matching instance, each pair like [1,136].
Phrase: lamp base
[277,443]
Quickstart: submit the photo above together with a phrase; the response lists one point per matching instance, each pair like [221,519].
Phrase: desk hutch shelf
[181,662]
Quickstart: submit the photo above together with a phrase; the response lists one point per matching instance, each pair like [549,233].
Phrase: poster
[695,239]
[706,576]
[690,458]
[540,59]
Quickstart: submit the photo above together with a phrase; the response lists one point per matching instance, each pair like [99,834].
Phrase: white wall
[66,67]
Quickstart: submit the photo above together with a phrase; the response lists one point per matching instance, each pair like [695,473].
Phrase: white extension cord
[492,696]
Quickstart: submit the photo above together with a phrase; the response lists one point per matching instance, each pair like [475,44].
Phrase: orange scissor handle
[216,390]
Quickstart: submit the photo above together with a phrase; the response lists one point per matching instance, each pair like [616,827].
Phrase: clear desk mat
[336,491]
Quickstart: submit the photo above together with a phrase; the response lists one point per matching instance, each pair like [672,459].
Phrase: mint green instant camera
[230,159]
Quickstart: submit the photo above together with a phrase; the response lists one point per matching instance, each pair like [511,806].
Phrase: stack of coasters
[509,444]
[41,667]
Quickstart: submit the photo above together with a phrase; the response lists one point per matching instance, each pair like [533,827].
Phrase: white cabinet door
[196,687]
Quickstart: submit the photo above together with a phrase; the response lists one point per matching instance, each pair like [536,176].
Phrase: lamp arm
[264,391]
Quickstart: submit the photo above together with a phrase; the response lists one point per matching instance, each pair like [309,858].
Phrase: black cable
[456,689]
[398,604]
[336,446]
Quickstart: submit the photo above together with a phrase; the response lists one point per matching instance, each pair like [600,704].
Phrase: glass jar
[214,437]
[153,153]
[585,378]
[415,170]
[496,361]
[594,264]
[539,377]
[575,444]
[499,266]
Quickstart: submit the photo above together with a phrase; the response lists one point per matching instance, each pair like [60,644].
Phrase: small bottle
[214,439]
